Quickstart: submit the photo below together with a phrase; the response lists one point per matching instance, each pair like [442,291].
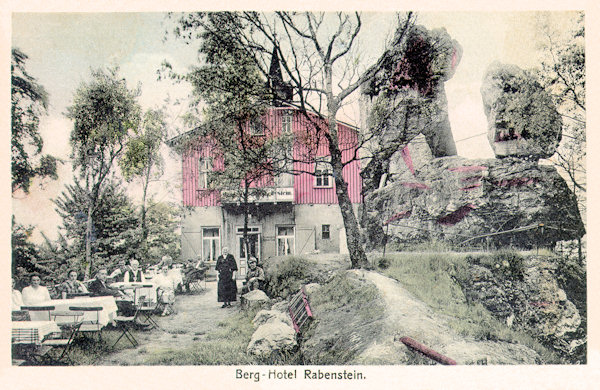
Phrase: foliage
[29,101]
[142,159]
[25,255]
[286,275]
[116,233]
[113,236]
[562,72]
[104,111]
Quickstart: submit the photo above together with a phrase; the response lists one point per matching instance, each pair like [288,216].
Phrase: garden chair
[146,307]
[64,340]
[125,324]
[92,325]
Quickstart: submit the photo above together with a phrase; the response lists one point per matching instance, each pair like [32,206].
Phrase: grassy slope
[428,277]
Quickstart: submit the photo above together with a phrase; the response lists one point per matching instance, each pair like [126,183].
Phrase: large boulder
[272,338]
[266,316]
[407,98]
[522,118]
[254,299]
[462,201]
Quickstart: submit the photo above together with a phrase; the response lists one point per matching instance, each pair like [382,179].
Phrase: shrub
[286,275]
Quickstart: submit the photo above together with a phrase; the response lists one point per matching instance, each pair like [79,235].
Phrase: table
[32,332]
[108,313]
[139,291]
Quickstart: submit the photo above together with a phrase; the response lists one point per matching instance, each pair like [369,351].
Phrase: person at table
[226,287]
[72,285]
[134,273]
[165,290]
[17,298]
[99,288]
[255,276]
[35,293]
[118,273]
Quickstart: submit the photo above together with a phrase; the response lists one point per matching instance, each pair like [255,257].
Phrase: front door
[253,246]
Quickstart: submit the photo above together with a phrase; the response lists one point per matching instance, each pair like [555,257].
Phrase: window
[257,128]
[323,172]
[325,232]
[286,122]
[204,168]
[211,244]
[285,240]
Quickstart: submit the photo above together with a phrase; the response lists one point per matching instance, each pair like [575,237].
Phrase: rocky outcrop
[524,292]
[407,98]
[499,202]
[522,119]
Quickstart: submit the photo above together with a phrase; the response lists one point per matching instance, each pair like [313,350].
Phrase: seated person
[118,273]
[17,298]
[165,290]
[134,272]
[35,293]
[255,277]
[193,271]
[99,288]
[72,285]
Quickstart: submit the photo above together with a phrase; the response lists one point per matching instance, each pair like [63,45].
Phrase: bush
[383,263]
[286,275]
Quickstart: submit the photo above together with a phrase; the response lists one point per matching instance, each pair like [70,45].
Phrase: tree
[142,159]
[235,96]
[318,57]
[562,72]
[104,110]
[29,101]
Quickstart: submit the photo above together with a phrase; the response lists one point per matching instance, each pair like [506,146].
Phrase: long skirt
[226,288]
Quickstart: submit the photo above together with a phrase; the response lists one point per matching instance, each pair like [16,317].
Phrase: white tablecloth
[32,332]
[147,292]
[106,315]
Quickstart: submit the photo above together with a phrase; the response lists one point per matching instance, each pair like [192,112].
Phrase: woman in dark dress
[227,287]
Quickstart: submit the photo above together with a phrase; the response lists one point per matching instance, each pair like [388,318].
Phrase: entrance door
[253,246]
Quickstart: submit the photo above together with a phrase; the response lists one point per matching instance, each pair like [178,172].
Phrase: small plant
[383,263]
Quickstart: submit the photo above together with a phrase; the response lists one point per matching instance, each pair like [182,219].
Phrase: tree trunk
[358,258]
[88,241]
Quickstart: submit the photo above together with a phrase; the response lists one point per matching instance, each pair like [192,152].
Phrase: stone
[457,200]
[311,288]
[273,337]
[407,98]
[522,118]
[266,316]
[254,299]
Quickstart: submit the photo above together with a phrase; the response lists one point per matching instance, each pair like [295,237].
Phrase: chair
[125,324]
[90,325]
[39,309]
[146,307]
[65,339]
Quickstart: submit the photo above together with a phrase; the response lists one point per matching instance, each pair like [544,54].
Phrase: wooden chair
[91,325]
[39,309]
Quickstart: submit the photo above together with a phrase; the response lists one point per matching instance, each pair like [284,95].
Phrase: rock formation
[458,200]
[522,119]
[407,98]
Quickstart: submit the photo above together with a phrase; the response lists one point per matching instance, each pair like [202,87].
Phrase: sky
[64,47]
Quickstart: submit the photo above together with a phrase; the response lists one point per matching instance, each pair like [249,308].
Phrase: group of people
[227,286]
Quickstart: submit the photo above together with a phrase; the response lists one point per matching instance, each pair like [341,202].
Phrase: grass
[224,345]
[428,276]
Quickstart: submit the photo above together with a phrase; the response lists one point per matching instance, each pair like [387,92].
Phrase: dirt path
[407,316]
[195,315]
